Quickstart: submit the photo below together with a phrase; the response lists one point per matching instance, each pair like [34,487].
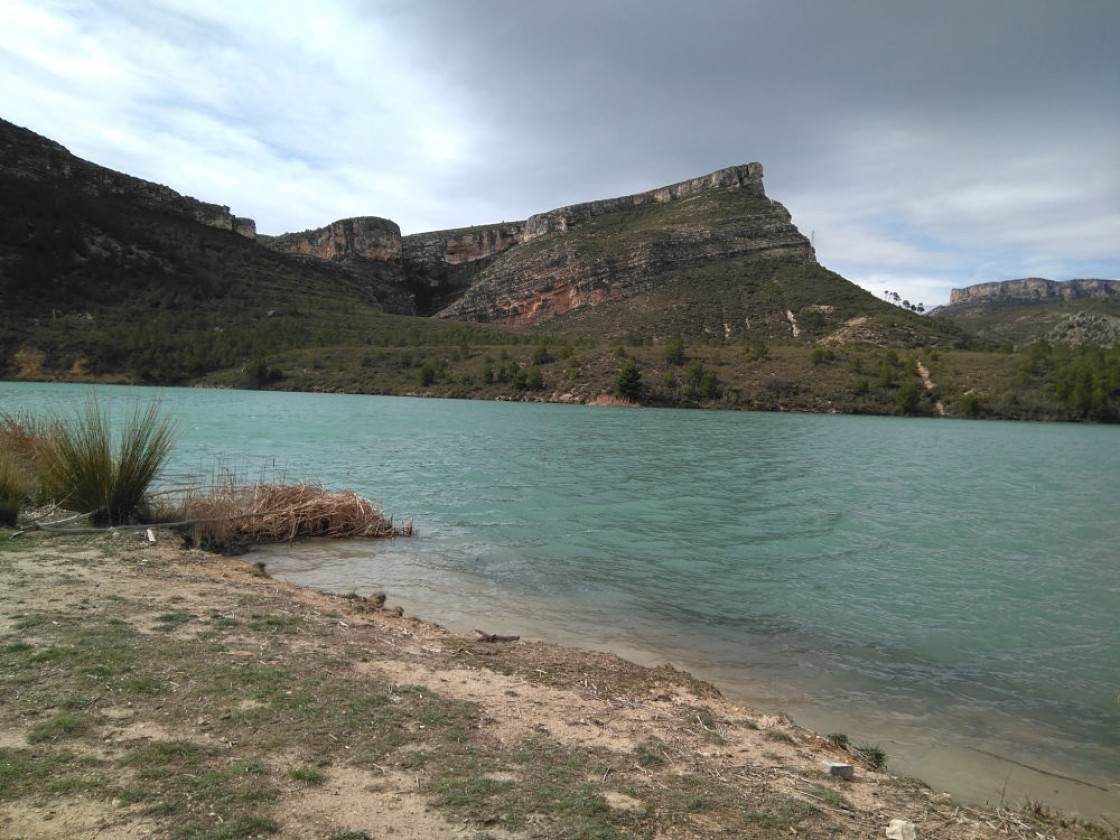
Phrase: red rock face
[542,306]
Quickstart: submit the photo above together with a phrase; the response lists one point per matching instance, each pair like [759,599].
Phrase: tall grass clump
[88,470]
[22,438]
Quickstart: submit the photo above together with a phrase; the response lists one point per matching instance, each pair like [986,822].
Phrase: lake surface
[947,590]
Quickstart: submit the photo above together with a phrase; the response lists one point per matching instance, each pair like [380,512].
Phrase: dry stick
[52,530]
[494,637]
[1039,769]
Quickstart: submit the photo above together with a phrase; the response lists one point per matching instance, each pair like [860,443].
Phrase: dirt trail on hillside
[923,372]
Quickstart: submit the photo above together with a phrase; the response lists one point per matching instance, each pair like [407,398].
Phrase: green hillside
[104,287]
[120,283]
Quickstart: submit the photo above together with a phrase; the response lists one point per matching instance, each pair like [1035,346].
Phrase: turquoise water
[948,590]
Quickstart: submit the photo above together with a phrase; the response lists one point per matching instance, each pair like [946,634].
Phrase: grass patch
[779,737]
[831,797]
[169,621]
[873,755]
[275,623]
[308,775]
[58,728]
[44,772]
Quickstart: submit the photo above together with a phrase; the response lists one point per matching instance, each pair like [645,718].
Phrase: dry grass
[22,436]
[229,515]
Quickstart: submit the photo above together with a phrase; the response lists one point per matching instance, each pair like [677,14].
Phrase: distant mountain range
[107,277]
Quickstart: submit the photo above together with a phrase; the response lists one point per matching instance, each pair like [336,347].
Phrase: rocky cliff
[26,156]
[1032,289]
[526,272]
[747,177]
[463,245]
[369,247]
[588,254]
[439,266]
[368,237]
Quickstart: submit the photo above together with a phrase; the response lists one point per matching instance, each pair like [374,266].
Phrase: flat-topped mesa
[746,177]
[26,155]
[370,237]
[1033,289]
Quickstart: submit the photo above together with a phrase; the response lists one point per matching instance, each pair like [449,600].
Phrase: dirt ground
[151,691]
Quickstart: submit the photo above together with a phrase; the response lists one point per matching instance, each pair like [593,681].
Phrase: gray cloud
[925,146]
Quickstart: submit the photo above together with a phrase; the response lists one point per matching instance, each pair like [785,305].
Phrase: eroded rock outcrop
[368,237]
[26,155]
[1087,328]
[588,254]
[368,247]
[462,245]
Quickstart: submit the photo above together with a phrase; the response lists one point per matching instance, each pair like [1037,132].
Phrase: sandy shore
[147,690]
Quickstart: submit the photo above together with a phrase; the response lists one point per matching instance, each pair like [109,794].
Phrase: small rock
[902,830]
[839,768]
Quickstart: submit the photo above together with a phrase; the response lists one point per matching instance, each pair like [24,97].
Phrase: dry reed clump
[22,437]
[229,515]
[23,440]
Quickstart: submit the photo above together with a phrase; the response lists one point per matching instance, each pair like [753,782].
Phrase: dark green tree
[674,352]
[629,382]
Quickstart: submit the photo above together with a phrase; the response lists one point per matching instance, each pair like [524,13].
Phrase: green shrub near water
[85,472]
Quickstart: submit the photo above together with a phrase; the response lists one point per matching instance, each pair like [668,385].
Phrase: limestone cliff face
[747,177]
[588,254]
[1033,289]
[439,266]
[26,155]
[368,247]
[369,237]
[465,245]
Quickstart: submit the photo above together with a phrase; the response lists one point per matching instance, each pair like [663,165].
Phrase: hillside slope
[102,274]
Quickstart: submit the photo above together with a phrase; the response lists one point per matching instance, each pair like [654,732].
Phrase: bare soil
[151,691]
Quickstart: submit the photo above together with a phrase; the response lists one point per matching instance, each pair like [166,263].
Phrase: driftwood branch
[494,637]
[50,528]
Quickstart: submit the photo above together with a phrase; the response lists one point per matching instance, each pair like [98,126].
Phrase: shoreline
[233,668]
[975,771]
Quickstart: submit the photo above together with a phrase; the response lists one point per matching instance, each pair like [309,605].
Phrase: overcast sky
[924,145]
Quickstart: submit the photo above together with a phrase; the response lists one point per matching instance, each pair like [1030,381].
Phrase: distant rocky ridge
[517,273]
[27,155]
[525,272]
[1032,289]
